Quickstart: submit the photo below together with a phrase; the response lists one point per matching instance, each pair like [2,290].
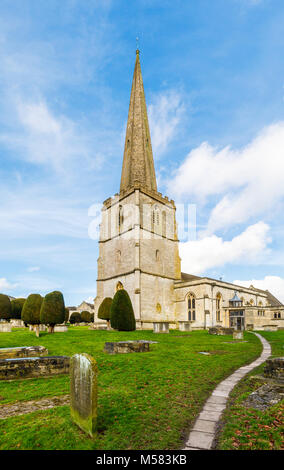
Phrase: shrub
[122,314]
[52,310]
[86,316]
[5,307]
[17,307]
[31,310]
[66,315]
[75,317]
[104,310]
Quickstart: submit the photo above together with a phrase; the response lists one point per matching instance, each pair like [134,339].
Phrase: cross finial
[137,45]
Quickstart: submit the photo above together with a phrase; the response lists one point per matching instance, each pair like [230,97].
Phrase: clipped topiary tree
[52,311]
[104,310]
[75,317]
[66,315]
[31,311]
[121,311]
[86,316]
[5,308]
[17,307]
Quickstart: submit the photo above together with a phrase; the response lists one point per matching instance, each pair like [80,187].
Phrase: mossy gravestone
[84,392]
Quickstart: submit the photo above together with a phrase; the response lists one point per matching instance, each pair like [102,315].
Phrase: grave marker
[84,392]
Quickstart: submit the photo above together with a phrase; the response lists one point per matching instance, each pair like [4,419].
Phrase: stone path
[24,407]
[203,432]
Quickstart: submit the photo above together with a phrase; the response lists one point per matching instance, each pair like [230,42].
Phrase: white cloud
[249,181]
[33,269]
[42,137]
[274,284]
[165,113]
[6,285]
[212,251]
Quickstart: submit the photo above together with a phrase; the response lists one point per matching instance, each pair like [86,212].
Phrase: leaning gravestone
[84,392]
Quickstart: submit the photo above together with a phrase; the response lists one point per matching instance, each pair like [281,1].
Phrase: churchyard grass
[146,400]
[247,428]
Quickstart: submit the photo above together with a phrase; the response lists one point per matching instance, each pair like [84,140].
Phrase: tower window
[156,216]
[120,216]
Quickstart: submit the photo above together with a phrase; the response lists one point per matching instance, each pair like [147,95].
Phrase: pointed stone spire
[138,164]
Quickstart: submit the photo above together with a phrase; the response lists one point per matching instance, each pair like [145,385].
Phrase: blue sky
[214,81]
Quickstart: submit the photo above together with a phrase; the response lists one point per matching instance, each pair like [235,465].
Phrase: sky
[213,74]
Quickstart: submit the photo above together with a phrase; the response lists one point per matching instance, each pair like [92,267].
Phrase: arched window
[279,315]
[191,307]
[158,255]
[218,306]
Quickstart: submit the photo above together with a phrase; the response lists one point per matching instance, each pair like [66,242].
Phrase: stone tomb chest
[124,347]
[161,327]
[23,351]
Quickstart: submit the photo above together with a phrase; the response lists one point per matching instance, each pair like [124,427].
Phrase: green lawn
[247,428]
[146,401]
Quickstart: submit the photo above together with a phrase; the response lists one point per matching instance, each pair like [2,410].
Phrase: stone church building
[139,249]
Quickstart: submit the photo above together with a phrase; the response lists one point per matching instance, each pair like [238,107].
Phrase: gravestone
[5,327]
[17,324]
[84,392]
[238,334]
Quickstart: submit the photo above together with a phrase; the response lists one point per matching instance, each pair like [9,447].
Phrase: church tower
[138,246]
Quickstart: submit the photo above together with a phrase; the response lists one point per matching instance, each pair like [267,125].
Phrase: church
[139,249]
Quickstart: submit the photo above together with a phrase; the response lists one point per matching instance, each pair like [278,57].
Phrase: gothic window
[191,307]
[218,306]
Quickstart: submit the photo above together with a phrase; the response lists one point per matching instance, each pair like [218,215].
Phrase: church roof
[138,163]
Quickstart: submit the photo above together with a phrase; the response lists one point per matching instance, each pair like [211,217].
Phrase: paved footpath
[203,432]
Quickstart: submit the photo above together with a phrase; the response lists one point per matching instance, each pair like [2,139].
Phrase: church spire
[138,164]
